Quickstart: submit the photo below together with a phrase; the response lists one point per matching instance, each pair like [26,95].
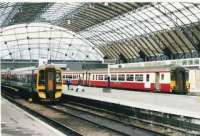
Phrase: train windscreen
[58,77]
[41,77]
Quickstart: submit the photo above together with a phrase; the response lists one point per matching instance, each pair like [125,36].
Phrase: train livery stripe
[164,87]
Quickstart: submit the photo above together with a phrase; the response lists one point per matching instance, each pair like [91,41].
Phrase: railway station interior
[100,68]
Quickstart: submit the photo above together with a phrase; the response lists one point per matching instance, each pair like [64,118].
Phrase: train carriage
[44,82]
[168,79]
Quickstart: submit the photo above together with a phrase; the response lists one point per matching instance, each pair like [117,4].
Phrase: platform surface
[16,122]
[168,103]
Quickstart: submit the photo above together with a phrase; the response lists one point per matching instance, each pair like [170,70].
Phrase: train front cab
[49,84]
[179,80]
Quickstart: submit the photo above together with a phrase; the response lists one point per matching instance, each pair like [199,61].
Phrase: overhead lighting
[91,5]
[106,3]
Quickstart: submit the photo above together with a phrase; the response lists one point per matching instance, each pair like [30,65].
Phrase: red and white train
[168,79]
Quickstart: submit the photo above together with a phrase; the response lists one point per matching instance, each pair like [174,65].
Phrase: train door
[157,81]
[82,78]
[180,80]
[50,80]
[147,82]
[180,76]
[87,79]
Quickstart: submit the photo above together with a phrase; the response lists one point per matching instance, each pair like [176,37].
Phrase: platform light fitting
[68,22]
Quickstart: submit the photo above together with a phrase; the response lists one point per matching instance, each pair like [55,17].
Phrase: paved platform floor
[16,122]
[167,103]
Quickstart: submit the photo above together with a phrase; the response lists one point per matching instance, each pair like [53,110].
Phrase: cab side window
[41,77]
[58,77]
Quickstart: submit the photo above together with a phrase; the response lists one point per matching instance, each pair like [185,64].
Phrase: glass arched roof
[36,40]
[150,29]
[128,30]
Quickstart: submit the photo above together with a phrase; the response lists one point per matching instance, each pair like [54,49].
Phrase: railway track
[75,118]
[72,124]
[123,119]
[20,103]
[102,121]
[114,121]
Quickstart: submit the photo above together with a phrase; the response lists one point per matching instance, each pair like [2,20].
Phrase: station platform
[184,105]
[15,121]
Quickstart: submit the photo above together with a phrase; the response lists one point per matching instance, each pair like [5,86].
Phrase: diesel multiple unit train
[44,83]
[168,79]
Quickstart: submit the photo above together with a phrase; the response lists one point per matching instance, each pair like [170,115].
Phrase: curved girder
[172,38]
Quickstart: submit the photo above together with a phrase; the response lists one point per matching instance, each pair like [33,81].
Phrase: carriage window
[138,77]
[58,77]
[29,78]
[74,76]
[100,77]
[184,62]
[106,77]
[162,76]
[196,61]
[147,77]
[113,77]
[41,77]
[129,77]
[69,76]
[190,62]
[121,77]
[93,77]
[63,76]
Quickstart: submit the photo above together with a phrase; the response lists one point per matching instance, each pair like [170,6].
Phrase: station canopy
[126,31]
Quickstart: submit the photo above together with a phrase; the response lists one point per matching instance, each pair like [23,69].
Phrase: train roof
[30,69]
[129,69]
[24,69]
[46,66]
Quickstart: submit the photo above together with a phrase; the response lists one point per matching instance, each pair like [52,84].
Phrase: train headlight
[172,85]
[188,85]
